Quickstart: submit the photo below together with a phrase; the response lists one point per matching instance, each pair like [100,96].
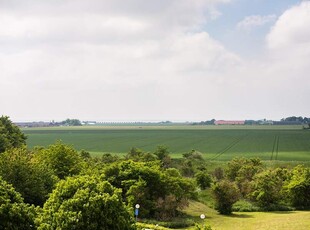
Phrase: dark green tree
[14,213]
[85,202]
[31,178]
[162,154]
[203,179]
[72,122]
[226,193]
[10,135]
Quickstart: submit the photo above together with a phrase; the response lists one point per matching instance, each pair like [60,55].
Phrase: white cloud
[131,60]
[252,21]
[292,28]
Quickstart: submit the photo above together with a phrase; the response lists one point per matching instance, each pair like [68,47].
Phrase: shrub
[226,193]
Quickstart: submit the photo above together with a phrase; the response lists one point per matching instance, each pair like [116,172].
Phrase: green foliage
[72,122]
[244,206]
[226,193]
[139,155]
[242,171]
[176,223]
[143,226]
[10,135]
[85,202]
[162,154]
[14,214]
[30,177]
[203,179]
[298,188]
[218,174]
[64,160]
[159,194]
[193,155]
[268,188]
[202,227]
[242,167]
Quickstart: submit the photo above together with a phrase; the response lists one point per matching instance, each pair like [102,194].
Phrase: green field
[285,143]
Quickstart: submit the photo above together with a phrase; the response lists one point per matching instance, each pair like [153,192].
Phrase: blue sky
[247,43]
[137,60]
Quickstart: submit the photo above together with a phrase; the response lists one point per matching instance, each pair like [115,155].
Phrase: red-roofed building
[222,122]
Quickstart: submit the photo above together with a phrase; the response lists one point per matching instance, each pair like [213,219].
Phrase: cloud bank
[142,60]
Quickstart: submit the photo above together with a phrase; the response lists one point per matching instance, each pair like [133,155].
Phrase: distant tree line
[71,122]
[209,122]
[305,120]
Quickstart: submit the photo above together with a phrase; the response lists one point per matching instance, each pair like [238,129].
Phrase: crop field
[284,143]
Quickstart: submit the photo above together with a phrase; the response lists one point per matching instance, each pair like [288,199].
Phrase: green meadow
[220,143]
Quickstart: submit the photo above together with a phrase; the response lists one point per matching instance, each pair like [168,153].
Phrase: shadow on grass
[237,215]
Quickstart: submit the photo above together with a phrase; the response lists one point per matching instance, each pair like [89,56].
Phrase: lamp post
[137,206]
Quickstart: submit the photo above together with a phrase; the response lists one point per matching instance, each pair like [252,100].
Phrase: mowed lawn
[299,220]
[216,143]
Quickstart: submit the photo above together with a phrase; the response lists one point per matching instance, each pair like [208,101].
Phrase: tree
[14,213]
[30,177]
[162,153]
[10,135]
[242,171]
[298,187]
[85,202]
[147,184]
[268,188]
[64,160]
[72,122]
[203,179]
[139,155]
[226,193]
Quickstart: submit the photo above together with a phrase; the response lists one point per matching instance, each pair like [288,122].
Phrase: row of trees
[268,189]
[304,120]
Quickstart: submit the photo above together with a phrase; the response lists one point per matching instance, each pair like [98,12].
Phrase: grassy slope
[216,142]
[251,220]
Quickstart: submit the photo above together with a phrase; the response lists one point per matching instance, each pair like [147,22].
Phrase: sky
[147,60]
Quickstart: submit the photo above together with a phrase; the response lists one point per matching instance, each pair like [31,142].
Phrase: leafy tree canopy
[10,135]
[30,177]
[85,202]
[14,214]
[63,159]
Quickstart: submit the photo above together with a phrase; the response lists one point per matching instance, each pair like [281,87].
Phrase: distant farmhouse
[222,122]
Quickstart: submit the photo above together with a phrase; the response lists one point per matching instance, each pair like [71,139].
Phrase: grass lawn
[299,220]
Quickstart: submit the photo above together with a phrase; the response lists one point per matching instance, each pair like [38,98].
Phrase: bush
[203,179]
[244,206]
[226,193]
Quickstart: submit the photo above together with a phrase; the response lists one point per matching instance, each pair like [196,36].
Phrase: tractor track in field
[231,145]
[275,148]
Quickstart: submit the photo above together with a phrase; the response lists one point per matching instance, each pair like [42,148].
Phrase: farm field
[284,143]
